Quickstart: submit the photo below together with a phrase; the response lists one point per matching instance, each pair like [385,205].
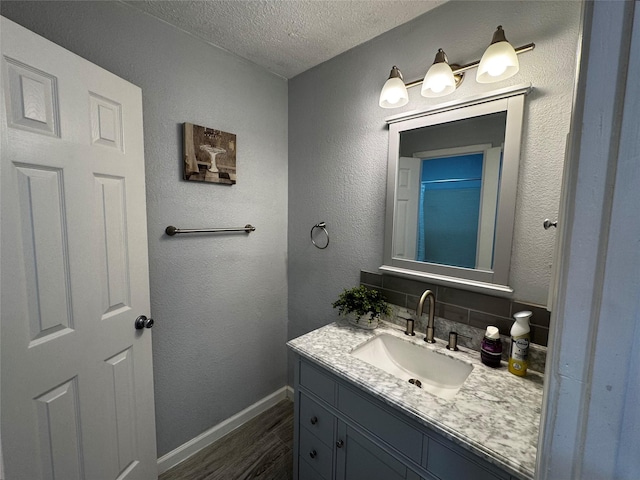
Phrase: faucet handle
[410,327]
[453,341]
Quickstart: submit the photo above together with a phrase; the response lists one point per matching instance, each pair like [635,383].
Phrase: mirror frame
[496,281]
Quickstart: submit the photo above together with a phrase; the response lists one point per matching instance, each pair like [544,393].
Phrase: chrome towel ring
[322,226]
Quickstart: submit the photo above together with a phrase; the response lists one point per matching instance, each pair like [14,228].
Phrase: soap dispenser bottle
[491,348]
[519,353]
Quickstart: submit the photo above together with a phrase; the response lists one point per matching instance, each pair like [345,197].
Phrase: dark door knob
[313,420]
[312,454]
[340,443]
[143,322]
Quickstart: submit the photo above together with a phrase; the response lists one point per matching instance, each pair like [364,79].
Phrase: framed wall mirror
[451,191]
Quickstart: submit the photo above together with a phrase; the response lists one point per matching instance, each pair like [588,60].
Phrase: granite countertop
[495,415]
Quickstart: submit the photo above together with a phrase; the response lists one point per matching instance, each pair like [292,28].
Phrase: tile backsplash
[467,313]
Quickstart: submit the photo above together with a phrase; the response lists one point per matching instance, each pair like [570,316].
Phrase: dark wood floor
[261,449]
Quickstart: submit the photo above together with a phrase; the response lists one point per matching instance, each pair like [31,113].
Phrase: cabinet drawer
[308,473]
[317,382]
[448,464]
[394,431]
[316,419]
[315,453]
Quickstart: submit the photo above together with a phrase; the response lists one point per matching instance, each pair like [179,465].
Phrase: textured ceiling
[286,37]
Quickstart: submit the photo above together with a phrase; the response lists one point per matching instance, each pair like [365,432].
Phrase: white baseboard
[216,432]
[289,392]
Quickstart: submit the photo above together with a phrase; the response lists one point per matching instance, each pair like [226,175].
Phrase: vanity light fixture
[499,62]
[394,93]
[440,80]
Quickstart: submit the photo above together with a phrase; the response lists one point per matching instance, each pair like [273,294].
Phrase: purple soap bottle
[491,349]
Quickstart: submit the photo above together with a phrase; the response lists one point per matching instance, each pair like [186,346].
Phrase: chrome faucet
[432,311]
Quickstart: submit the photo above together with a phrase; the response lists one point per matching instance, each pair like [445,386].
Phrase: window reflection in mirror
[447,194]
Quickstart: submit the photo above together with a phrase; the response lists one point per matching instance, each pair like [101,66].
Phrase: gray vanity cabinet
[343,433]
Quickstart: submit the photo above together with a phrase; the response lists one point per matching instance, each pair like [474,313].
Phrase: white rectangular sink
[436,373]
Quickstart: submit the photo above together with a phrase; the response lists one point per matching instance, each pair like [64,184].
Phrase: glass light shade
[438,81]
[394,94]
[499,62]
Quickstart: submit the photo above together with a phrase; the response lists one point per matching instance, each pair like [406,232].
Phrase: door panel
[33,102]
[123,387]
[77,386]
[45,253]
[110,242]
[60,432]
[106,122]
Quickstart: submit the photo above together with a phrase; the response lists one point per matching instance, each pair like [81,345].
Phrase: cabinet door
[358,457]
[446,461]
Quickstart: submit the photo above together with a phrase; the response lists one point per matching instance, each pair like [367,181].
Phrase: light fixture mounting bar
[458,70]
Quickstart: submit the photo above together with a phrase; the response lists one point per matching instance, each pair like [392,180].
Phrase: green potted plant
[363,306]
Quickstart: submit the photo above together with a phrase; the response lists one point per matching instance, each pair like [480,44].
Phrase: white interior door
[405,236]
[77,386]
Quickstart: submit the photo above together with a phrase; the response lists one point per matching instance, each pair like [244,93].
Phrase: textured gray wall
[338,143]
[219,301]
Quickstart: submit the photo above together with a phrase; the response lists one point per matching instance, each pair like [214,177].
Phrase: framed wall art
[209,155]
